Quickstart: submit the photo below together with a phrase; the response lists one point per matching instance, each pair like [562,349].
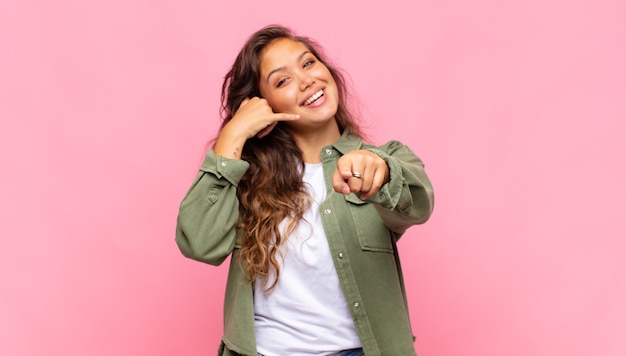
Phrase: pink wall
[517,108]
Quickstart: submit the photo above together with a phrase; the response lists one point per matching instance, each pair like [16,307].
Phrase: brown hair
[272,190]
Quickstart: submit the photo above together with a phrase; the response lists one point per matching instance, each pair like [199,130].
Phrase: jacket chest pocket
[370,229]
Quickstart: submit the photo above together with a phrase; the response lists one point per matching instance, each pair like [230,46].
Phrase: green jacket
[362,236]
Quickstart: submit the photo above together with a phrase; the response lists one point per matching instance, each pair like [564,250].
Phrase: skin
[289,75]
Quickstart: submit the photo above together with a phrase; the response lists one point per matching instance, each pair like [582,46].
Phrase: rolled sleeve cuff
[230,169]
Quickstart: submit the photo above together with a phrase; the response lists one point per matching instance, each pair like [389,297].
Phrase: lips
[313,98]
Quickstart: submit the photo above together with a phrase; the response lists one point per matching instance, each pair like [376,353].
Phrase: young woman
[310,213]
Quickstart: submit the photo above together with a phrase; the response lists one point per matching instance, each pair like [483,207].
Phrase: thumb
[339,183]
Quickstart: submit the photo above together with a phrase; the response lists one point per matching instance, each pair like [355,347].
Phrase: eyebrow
[267,79]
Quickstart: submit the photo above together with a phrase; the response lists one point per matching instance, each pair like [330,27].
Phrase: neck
[312,142]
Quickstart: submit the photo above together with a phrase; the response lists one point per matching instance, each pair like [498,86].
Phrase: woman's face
[294,81]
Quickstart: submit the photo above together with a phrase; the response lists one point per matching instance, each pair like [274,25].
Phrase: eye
[308,63]
[281,82]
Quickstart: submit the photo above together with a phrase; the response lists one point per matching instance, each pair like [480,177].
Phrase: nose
[306,81]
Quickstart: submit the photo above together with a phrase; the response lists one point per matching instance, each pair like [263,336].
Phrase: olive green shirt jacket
[362,236]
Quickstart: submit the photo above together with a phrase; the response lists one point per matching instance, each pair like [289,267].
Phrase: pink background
[517,108]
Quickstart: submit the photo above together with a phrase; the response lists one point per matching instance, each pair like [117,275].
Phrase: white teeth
[314,97]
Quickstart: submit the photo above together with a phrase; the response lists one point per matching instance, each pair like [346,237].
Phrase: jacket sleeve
[407,199]
[206,228]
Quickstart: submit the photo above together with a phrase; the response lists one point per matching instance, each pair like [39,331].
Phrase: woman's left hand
[360,171]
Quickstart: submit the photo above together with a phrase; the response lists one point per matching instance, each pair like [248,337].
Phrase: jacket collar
[348,142]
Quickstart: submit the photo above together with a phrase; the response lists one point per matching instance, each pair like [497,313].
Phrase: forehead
[280,53]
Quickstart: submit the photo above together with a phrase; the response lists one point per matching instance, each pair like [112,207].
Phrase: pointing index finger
[339,183]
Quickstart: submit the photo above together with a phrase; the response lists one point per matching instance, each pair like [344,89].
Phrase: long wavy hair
[272,190]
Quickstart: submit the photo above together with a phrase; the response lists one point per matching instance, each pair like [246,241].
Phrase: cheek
[325,73]
[282,100]
[333,92]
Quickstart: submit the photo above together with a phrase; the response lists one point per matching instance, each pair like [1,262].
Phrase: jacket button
[329,151]
[223,164]
[327,211]
[340,255]
[356,305]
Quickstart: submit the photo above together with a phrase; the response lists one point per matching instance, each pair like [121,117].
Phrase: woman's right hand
[254,117]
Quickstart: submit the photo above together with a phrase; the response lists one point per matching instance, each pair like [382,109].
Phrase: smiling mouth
[313,97]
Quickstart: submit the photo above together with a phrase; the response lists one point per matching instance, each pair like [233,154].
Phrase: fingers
[261,105]
[255,117]
[339,183]
[243,102]
[367,183]
[373,184]
[360,171]
[286,117]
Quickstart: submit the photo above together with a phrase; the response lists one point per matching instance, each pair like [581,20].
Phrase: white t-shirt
[306,312]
